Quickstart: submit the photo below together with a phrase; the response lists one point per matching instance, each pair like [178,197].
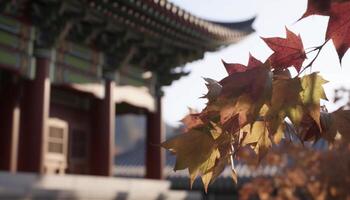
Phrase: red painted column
[35,104]
[155,155]
[102,143]
[9,123]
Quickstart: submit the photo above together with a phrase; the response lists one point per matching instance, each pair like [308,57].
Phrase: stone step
[34,186]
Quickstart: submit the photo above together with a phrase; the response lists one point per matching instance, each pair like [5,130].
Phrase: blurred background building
[81,84]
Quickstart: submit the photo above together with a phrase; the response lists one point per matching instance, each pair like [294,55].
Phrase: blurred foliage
[310,174]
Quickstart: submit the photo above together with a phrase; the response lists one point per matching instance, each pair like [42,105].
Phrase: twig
[315,49]
[319,48]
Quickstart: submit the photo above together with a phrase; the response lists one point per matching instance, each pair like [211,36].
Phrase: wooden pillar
[102,143]
[9,124]
[35,104]
[155,155]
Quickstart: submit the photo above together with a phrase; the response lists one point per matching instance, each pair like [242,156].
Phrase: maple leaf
[216,131]
[224,143]
[232,68]
[312,93]
[300,125]
[317,7]
[252,132]
[310,130]
[192,149]
[329,129]
[192,121]
[214,89]
[258,134]
[331,123]
[287,51]
[339,27]
[240,112]
[285,96]
[205,169]
[281,74]
[263,145]
[211,113]
[215,164]
[248,90]
[295,114]
[211,175]
[243,88]
[275,123]
[256,82]
[341,122]
[285,93]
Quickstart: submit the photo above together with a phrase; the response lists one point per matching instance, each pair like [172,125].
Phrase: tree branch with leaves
[249,107]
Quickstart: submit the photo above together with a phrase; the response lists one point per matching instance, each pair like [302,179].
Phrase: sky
[272,16]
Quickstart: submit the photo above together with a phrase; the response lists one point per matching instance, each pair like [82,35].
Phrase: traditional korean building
[68,67]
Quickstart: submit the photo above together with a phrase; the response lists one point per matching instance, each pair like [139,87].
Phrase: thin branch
[318,49]
[314,49]
[311,48]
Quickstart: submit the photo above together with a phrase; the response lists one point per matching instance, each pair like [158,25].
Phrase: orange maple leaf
[192,119]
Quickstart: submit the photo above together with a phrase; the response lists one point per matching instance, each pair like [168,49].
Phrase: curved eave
[214,32]
[232,32]
[245,26]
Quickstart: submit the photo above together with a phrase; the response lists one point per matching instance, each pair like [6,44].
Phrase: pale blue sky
[272,17]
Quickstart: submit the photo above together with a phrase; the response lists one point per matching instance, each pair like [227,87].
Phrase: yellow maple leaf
[312,93]
[192,148]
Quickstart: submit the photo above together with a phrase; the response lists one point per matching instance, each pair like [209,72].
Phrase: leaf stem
[311,48]
[318,49]
[314,49]
[231,157]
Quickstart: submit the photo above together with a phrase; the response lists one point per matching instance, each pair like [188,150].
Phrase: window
[56,140]
[56,146]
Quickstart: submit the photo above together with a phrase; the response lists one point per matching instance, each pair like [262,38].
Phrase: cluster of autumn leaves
[309,174]
[255,104]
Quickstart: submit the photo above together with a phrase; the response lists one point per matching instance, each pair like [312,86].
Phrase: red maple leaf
[339,27]
[317,7]
[232,68]
[252,81]
[287,51]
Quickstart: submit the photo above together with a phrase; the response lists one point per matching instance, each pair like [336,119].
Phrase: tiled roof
[150,35]
[163,17]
